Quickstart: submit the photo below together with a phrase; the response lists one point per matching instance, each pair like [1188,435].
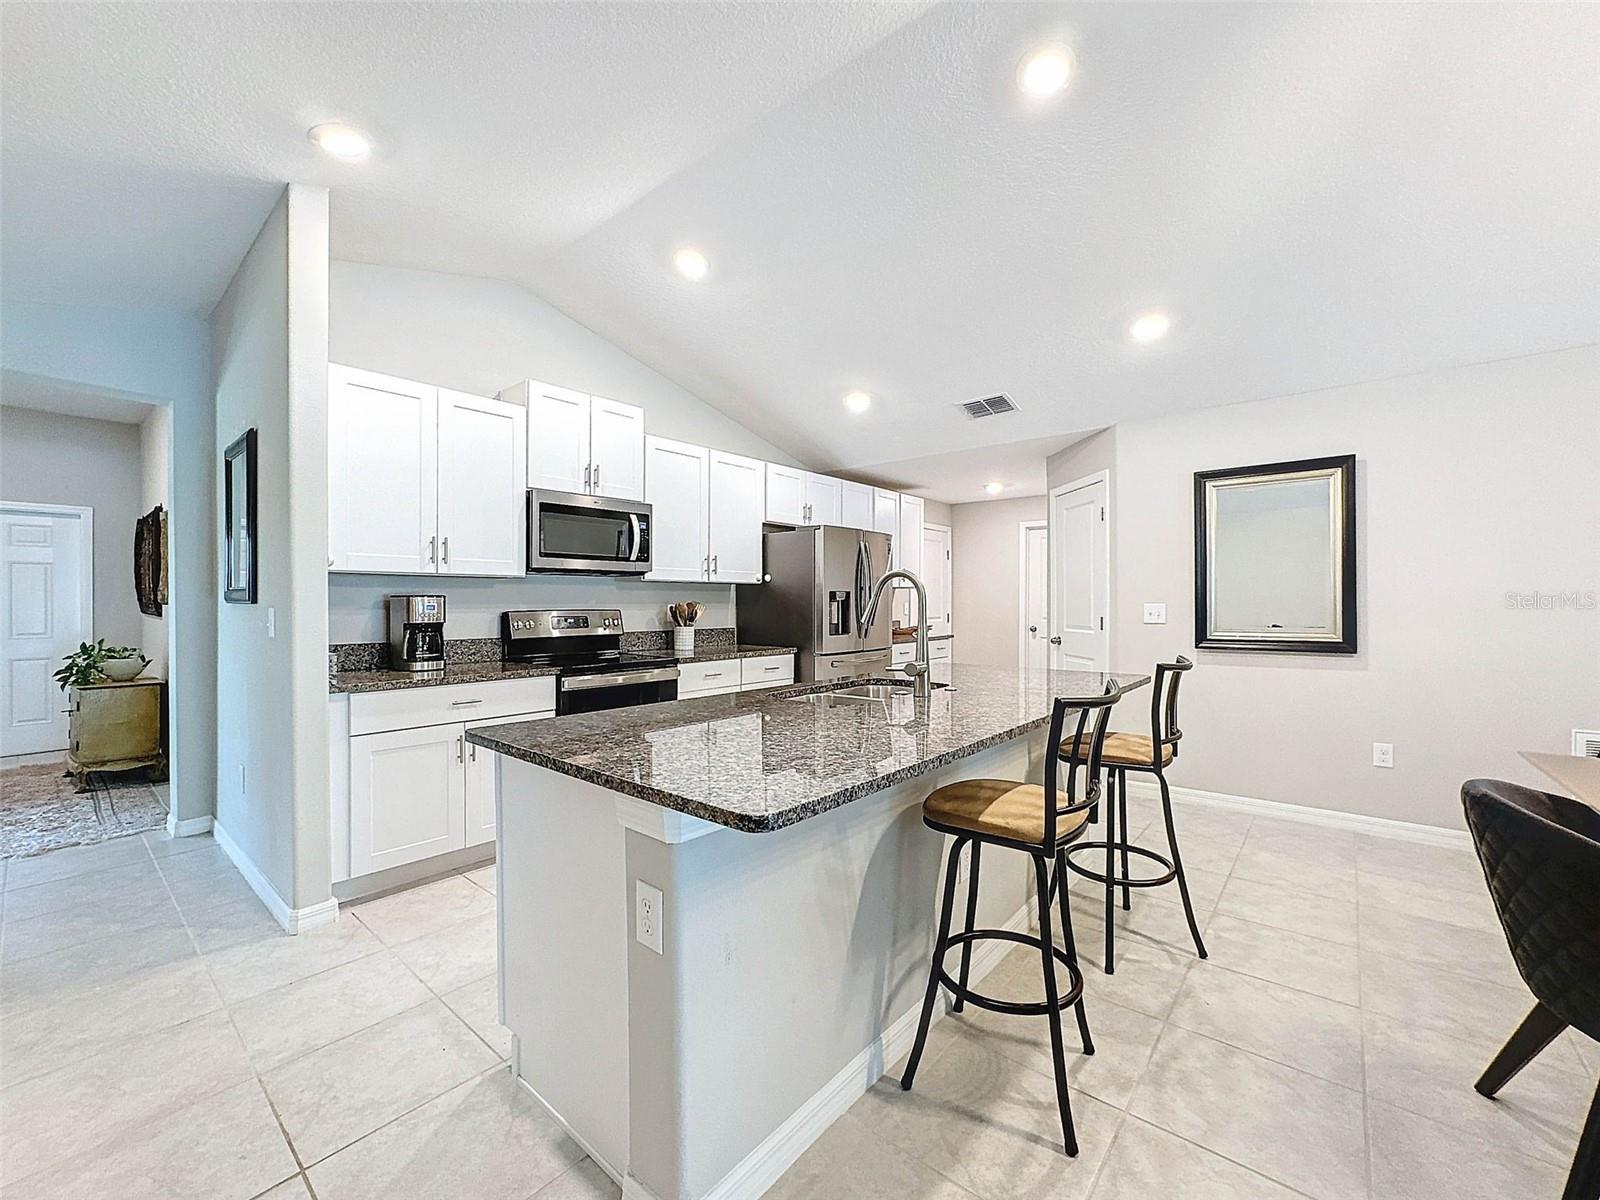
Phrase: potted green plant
[95,662]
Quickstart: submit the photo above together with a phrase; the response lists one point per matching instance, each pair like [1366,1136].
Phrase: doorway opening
[1080,575]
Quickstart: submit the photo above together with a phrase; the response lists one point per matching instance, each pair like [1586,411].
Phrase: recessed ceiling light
[857,402]
[1150,326]
[342,141]
[995,488]
[691,264]
[1045,71]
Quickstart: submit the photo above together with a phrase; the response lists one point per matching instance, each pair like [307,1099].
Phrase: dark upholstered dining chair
[1541,857]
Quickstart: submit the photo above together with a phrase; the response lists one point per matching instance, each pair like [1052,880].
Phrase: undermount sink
[861,693]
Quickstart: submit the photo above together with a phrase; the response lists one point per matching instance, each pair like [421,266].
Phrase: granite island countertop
[760,761]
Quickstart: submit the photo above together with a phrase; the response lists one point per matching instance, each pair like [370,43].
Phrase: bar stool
[1124,752]
[1040,822]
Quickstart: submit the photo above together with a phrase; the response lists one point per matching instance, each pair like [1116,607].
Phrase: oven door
[591,535]
[615,689]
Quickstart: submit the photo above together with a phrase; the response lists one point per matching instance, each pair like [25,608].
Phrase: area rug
[39,810]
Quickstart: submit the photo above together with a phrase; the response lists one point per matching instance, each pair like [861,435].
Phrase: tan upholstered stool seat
[1121,749]
[998,807]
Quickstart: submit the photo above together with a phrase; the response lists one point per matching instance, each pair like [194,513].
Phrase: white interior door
[735,507]
[676,487]
[616,446]
[937,568]
[1034,615]
[383,473]
[482,486]
[558,438]
[47,554]
[1079,578]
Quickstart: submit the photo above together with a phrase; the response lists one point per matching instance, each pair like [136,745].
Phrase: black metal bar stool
[1541,858]
[1040,822]
[1124,752]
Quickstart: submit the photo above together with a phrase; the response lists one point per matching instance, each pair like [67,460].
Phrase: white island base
[791,971]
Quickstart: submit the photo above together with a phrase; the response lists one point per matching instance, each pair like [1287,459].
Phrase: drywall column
[269,368]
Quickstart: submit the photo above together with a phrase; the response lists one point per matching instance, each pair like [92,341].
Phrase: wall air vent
[1586,743]
[989,406]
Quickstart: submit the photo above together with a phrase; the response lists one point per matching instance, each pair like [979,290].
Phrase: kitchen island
[716,914]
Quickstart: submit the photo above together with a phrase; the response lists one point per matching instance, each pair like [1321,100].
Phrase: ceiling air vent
[989,406]
[1586,743]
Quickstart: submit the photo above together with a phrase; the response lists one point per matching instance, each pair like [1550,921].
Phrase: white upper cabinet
[382,473]
[677,486]
[885,511]
[857,506]
[616,449]
[558,436]
[908,546]
[482,486]
[786,495]
[738,487]
[824,498]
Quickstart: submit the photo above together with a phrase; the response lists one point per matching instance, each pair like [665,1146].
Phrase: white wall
[162,358]
[155,487]
[482,335]
[1471,483]
[269,355]
[53,459]
[985,557]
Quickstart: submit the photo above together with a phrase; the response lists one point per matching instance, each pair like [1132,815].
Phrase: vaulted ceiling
[1318,194]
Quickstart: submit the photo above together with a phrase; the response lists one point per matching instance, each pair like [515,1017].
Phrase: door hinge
[1102,622]
[1102,512]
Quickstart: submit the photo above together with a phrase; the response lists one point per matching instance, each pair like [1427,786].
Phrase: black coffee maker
[416,633]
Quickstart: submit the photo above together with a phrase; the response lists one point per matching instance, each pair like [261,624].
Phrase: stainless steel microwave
[575,533]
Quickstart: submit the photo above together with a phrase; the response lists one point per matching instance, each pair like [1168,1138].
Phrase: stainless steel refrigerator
[820,580]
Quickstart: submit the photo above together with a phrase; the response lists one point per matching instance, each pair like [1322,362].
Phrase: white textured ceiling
[1320,194]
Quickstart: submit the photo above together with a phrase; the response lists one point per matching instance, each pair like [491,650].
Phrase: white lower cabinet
[724,675]
[939,660]
[407,796]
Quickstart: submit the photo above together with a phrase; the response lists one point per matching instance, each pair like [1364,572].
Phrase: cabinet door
[481,783]
[908,546]
[382,473]
[857,505]
[824,500]
[886,519]
[558,438]
[483,484]
[786,499]
[676,487]
[616,448]
[738,487]
[407,796]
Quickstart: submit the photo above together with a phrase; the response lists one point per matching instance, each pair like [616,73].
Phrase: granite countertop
[760,761]
[467,672]
[722,653]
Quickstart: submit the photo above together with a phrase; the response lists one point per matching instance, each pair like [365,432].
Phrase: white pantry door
[1079,578]
[47,555]
[1035,615]
[936,576]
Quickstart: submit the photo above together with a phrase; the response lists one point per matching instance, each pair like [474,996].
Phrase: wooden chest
[115,727]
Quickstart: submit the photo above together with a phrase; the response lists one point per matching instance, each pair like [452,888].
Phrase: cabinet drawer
[939,651]
[696,678]
[412,708]
[765,672]
[903,653]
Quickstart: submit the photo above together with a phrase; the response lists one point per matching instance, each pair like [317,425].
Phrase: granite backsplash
[374,656]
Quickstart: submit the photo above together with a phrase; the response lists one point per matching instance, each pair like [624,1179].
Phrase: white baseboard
[1404,831]
[188,827]
[762,1167]
[293,920]
[610,1169]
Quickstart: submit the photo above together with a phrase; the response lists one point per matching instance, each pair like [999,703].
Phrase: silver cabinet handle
[587,471]
[472,752]
[447,549]
[705,565]
[460,741]
[465,703]
[433,549]
[712,675]
[713,564]
[597,477]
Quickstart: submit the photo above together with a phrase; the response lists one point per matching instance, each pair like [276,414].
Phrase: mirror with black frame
[1275,557]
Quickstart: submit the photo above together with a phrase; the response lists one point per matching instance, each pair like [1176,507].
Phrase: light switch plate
[647,915]
[1155,614]
[1383,754]
[272,622]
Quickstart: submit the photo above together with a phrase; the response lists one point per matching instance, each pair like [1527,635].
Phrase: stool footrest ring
[1018,1008]
[1168,876]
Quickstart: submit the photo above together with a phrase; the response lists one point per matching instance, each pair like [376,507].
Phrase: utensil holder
[683,639]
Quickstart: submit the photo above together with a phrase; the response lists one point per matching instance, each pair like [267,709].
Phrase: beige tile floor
[160,1038]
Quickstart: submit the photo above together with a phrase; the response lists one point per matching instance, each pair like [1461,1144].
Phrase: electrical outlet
[1155,614]
[647,915]
[1383,754]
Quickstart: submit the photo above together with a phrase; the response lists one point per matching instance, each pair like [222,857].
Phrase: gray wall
[51,459]
[1472,483]
[985,557]
[269,356]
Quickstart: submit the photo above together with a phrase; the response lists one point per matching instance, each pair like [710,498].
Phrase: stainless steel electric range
[586,645]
